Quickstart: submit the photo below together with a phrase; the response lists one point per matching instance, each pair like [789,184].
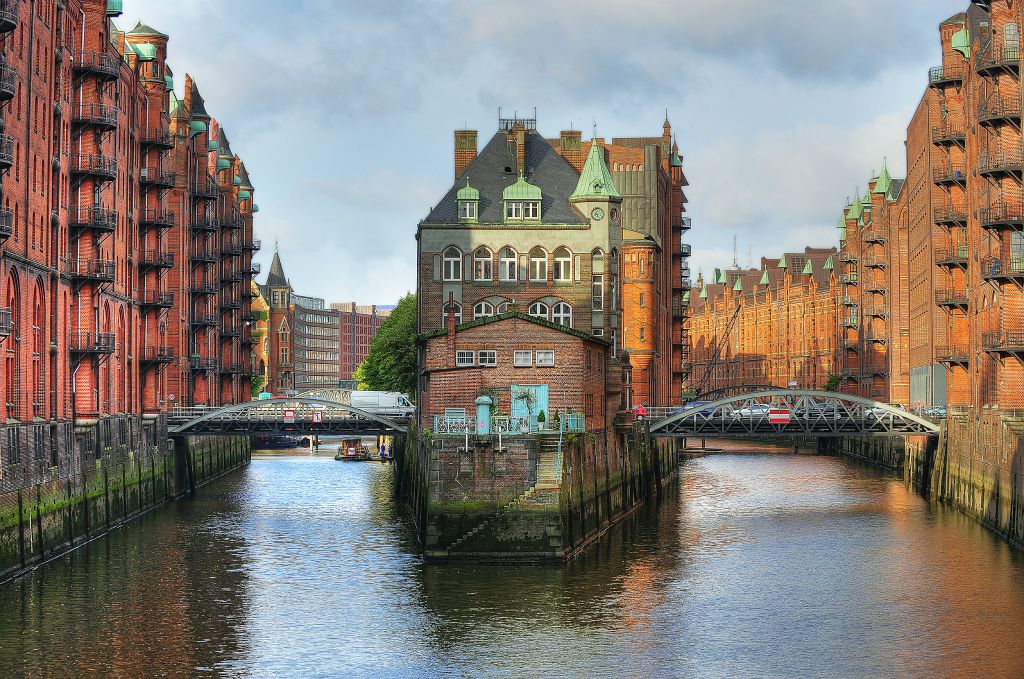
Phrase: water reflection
[302,566]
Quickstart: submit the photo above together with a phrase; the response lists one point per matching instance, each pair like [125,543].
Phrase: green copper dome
[244,195]
[467,192]
[808,268]
[169,82]
[212,145]
[738,286]
[146,51]
[595,181]
[782,263]
[829,264]
[765,280]
[115,8]
[236,181]
[223,164]
[704,292]
[521,190]
[196,127]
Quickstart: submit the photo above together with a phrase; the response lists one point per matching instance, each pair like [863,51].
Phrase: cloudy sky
[343,110]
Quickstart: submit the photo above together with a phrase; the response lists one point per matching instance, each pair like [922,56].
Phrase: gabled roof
[198,103]
[222,141]
[145,29]
[494,169]
[522,317]
[276,277]
[244,175]
[595,181]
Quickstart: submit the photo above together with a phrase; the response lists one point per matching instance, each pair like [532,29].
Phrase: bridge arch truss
[300,415]
[810,414]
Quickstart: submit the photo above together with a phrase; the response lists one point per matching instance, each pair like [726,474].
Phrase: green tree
[391,363]
[833,382]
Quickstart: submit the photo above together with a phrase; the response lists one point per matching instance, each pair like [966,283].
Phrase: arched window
[483,265]
[455,307]
[452,264]
[11,358]
[483,310]
[502,308]
[562,270]
[597,261]
[561,313]
[538,265]
[539,310]
[38,323]
[508,267]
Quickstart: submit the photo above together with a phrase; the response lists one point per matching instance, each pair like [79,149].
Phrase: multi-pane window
[597,292]
[545,358]
[483,310]
[464,359]
[467,209]
[513,210]
[487,358]
[538,265]
[522,359]
[502,308]
[562,270]
[452,264]
[561,313]
[539,310]
[508,268]
[483,265]
[531,210]
[456,308]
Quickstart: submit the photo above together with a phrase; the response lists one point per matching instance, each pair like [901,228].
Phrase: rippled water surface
[299,566]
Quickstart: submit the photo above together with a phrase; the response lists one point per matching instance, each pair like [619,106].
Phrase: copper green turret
[595,181]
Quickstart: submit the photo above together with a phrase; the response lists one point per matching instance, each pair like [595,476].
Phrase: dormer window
[467,210]
[469,203]
[513,210]
[522,201]
[531,209]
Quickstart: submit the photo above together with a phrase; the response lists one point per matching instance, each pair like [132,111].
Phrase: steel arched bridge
[786,412]
[300,415]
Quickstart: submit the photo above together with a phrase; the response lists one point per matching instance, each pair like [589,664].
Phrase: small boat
[352,451]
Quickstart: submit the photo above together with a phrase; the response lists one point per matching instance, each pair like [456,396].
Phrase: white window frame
[562,311]
[482,310]
[513,209]
[598,332]
[531,210]
[538,273]
[487,358]
[545,358]
[467,209]
[561,269]
[451,265]
[508,266]
[483,266]
[538,305]
[522,358]
[465,358]
[458,314]
[597,292]
[501,309]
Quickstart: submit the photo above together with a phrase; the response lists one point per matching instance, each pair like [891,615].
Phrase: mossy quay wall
[62,486]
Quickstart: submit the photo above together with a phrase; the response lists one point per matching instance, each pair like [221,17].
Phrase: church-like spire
[276,277]
[595,181]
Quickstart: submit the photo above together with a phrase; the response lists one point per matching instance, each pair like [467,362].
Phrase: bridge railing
[509,426]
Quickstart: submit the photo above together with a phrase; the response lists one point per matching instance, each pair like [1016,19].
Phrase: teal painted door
[530,399]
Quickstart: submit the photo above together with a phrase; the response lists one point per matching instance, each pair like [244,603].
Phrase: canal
[299,566]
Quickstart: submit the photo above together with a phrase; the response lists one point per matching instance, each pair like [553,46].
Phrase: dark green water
[756,566]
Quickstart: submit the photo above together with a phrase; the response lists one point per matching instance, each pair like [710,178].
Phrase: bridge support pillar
[184,472]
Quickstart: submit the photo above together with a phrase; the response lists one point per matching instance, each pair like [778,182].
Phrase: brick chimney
[572,148]
[517,147]
[465,150]
[451,329]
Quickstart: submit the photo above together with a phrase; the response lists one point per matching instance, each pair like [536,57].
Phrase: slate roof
[275,276]
[487,173]
[523,317]
[222,141]
[244,174]
[897,187]
[198,103]
[146,29]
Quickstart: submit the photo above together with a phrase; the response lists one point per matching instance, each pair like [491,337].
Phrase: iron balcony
[6,322]
[952,256]
[158,177]
[102,116]
[205,223]
[230,331]
[6,223]
[97,167]
[8,15]
[875,262]
[160,140]
[952,355]
[231,248]
[95,218]
[157,355]
[203,289]
[230,369]
[92,343]
[202,364]
[1001,216]
[849,301]
[231,277]
[157,218]
[949,216]
[6,151]
[850,322]
[848,278]
[1000,162]
[204,256]
[104,64]
[247,340]
[951,298]
[156,259]
[874,286]
[939,76]
[848,258]
[685,249]
[159,299]
[101,271]
[875,336]
[1011,342]
[851,345]
[946,175]
[949,134]
[995,268]
[998,57]
[8,82]
[997,110]
[253,245]
[875,311]
[204,320]
[206,188]
[254,269]
[875,236]
[228,302]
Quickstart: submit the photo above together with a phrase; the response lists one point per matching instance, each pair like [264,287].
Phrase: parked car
[707,412]
[753,411]
[879,412]
[815,409]
[385,403]
[937,412]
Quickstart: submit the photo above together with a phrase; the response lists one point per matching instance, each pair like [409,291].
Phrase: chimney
[572,148]
[451,329]
[465,150]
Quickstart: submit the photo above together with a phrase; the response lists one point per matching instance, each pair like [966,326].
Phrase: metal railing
[876,311]
[203,289]
[1000,215]
[157,355]
[98,218]
[1003,342]
[6,222]
[103,63]
[92,343]
[950,354]
[949,133]
[949,215]
[102,115]
[997,108]
[938,75]
[92,269]
[205,223]
[158,176]
[158,139]
[207,320]
[205,364]
[1001,160]
[6,150]
[156,217]
[875,236]
[997,267]
[509,426]
[949,297]
[157,298]
[954,173]
[998,56]
[94,165]
[156,259]
[204,256]
[875,262]
[254,268]
[848,278]
[8,15]
[956,256]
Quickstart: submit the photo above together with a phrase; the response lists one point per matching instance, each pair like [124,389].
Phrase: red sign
[318,417]
[779,415]
[289,417]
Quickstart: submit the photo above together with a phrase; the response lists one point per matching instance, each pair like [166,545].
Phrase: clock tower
[595,196]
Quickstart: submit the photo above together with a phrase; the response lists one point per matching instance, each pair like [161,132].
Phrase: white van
[386,403]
